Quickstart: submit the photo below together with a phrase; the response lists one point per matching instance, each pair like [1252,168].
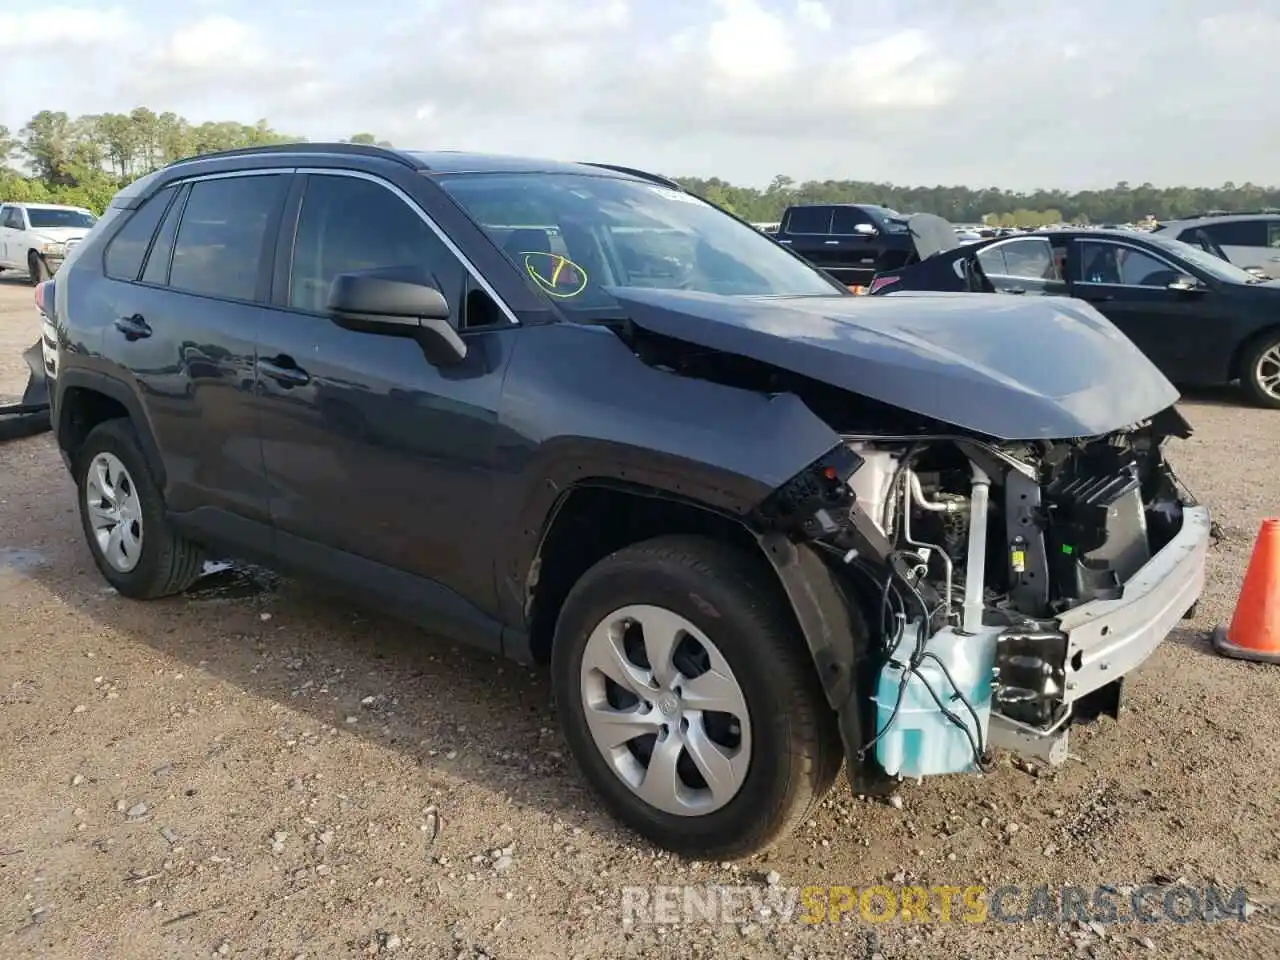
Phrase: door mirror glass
[398,308]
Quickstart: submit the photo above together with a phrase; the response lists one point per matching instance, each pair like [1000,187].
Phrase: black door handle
[284,371]
[1101,298]
[134,327]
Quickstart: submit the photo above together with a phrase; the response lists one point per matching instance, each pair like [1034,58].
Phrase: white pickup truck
[35,237]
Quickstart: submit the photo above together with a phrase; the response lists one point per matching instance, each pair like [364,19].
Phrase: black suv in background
[851,241]
[572,414]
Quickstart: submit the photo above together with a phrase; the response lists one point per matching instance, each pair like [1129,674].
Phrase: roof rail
[1209,214]
[308,147]
[642,174]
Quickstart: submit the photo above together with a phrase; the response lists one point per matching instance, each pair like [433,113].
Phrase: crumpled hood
[1013,368]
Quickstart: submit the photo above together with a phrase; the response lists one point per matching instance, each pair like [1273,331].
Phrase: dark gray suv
[757,526]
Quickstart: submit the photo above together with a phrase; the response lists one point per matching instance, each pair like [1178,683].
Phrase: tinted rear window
[1237,233]
[220,245]
[129,246]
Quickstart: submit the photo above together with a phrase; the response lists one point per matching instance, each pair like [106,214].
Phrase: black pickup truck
[850,241]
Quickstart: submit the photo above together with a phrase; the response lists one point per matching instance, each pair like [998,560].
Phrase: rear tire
[122,513]
[1260,372]
[735,632]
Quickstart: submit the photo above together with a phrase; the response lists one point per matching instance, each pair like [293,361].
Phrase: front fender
[578,405]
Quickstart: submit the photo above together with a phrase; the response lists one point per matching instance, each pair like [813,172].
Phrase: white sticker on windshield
[669,194]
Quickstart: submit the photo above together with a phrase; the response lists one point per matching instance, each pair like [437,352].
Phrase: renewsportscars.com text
[972,904]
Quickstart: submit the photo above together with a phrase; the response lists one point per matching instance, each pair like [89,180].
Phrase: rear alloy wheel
[1261,373]
[123,516]
[689,699]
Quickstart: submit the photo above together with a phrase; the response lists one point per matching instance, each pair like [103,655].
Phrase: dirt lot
[253,770]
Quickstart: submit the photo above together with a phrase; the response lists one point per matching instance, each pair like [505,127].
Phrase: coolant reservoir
[921,741]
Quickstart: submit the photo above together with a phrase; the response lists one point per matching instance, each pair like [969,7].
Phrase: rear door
[1024,266]
[1183,332]
[186,300]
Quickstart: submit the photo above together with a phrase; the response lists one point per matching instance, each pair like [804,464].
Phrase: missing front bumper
[1107,639]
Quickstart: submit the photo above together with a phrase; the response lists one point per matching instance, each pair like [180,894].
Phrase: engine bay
[971,550]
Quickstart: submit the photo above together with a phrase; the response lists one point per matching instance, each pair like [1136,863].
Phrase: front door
[856,243]
[1131,287]
[380,464]
[12,228]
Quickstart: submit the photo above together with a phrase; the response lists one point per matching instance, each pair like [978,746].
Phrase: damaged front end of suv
[997,538]
[1013,584]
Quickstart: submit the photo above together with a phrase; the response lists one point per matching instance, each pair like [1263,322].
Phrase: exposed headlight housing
[53,249]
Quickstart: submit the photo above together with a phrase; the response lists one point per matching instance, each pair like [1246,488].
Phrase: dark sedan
[1199,318]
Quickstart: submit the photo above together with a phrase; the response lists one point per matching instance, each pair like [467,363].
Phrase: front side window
[846,220]
[221,241]
[811,220]
[1273,234]
[49,218]
[351,225]
[129,246]
[1116,263]
[582,238]
[13,219]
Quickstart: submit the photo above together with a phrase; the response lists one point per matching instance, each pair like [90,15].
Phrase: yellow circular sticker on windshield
[558,276]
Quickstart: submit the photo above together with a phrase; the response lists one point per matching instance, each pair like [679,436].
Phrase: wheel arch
[85,398]
[594,518]
[1236,370]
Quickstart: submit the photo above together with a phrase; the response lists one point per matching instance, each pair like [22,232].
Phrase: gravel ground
[253,770]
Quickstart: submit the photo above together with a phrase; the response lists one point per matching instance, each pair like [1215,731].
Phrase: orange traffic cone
[1254,633]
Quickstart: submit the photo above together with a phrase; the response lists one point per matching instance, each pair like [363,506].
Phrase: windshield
[1214,266]
[578,236]
[46,217]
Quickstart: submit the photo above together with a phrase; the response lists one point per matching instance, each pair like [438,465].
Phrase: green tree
[367,138]
[86,159]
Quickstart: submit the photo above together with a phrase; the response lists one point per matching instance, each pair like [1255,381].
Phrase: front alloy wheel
[665,710]
[689,698]
[1267,372]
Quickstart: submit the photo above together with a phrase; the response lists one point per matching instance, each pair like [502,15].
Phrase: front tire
[122,513]
[689,699]
[1260,372]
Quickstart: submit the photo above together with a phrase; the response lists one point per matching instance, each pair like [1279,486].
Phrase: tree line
[84,160]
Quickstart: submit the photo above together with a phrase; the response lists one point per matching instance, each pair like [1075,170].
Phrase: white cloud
[39,29]
[217,43]
[814,14]
[910,90]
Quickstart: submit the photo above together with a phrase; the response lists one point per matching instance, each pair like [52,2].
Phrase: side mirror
[1185,284]
[866,229]
[396,308]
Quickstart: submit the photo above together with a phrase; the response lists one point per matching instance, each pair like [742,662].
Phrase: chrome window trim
[1143,250]
[425,218]
[1009,276]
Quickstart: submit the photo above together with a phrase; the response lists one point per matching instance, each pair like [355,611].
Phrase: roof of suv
[1211,219]
[432,161]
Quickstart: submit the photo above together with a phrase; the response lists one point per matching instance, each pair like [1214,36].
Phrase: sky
[1003,93]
